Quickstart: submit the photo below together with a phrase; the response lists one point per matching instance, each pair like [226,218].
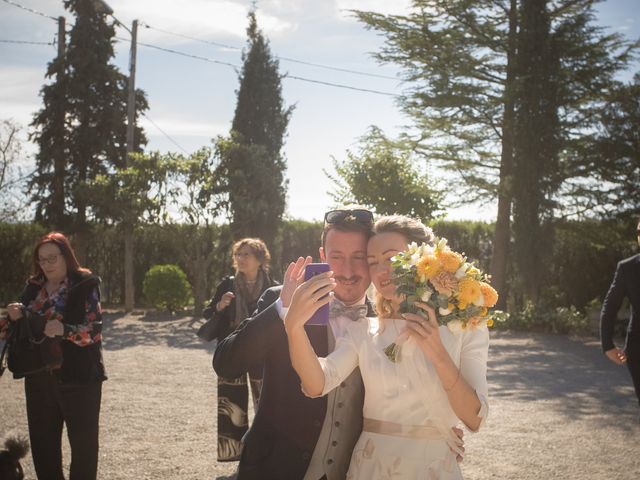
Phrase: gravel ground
[559,410]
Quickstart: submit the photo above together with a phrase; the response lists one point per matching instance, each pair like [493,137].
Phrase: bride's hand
[293,277]
[426,332]
[307,298]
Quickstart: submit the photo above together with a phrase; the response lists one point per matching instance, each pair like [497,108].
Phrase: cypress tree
[251,168]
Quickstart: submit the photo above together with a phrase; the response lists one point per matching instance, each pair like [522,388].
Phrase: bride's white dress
[407,415]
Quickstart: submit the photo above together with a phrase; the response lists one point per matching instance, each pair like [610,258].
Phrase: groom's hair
[348,224]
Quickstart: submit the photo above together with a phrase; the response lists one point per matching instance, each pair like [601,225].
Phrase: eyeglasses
[51,259]
[359,215]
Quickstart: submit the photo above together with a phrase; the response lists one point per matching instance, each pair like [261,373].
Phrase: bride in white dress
[410,405]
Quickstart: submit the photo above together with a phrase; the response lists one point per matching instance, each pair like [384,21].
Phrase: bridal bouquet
[457,290]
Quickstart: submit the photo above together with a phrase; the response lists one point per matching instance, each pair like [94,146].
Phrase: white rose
[480,301]
[426,295]
[460,272]
[455,326]
[444,311]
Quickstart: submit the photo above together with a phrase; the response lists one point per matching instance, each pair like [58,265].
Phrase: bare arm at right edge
[250,343]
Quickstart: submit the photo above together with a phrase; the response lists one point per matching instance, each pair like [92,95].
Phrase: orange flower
[469,290]
[445,283]
[489,294]
[450,260]
[428,267]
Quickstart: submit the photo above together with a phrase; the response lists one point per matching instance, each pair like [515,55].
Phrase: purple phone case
[321,316]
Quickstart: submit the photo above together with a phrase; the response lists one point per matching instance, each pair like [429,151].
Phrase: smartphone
[321,316]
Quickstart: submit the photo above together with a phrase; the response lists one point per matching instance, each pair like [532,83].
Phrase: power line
[293,77]
[189,55]
[31,10]
[26,42]
[338,85]
[210,42]
[165,133]
[287,59]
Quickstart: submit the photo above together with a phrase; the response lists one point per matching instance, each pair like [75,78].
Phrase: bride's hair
[411,229]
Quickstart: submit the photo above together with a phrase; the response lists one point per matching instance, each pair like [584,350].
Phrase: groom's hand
[458,432]
[616,355]
[293,277]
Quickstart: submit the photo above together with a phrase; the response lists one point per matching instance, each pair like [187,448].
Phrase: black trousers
[632,350]
[50,404]
[233,412]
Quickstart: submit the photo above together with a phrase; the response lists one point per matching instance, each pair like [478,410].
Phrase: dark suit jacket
[626,283]
[287,424]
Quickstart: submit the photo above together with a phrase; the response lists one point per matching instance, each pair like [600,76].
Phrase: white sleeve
[339,364]
[282,310]
[473,366]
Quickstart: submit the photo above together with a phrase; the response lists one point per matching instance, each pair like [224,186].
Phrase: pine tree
[460,61]
[91,97]
[252,167]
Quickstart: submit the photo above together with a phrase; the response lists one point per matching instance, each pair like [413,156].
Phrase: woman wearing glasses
[235,299]
[67,388]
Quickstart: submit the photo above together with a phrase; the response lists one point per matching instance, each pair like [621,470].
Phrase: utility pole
[129,287]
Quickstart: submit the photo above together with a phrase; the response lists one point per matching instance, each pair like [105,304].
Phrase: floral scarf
[247,295]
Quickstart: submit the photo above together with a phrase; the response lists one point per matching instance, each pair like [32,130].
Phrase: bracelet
[454,383]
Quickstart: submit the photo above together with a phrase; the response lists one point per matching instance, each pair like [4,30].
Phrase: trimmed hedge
[579,267]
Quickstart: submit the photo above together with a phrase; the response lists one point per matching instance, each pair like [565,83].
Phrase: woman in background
[68,389]
[235,299]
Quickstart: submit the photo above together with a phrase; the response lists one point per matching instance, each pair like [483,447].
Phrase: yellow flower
[484,311]
[450,260]
[489,294]
[469,290]
[428,267]
[490,322]
[473,272]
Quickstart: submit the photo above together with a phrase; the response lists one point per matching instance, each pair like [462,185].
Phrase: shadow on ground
[124,331]
[572,374]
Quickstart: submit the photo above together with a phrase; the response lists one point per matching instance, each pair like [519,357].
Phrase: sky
[192,101]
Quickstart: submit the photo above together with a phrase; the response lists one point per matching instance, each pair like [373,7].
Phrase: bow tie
[352,312]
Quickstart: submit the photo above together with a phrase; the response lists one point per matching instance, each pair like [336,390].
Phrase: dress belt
[399,430]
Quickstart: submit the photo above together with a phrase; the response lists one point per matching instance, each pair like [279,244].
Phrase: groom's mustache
[343,279]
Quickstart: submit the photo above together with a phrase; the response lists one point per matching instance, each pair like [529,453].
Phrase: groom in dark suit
[294,437]
[626,283]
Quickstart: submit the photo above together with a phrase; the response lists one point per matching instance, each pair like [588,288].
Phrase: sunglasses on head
[359,215]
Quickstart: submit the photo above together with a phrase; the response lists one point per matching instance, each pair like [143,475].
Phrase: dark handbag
[209,330]
[28,350]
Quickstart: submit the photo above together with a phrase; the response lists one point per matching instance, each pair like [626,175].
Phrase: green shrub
[547,319]
[17,241]
[166,286]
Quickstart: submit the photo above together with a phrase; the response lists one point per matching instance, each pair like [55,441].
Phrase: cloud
[395,7]
[19,93]
[217,20]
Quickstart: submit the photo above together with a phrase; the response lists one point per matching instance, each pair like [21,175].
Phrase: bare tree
[13,179]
